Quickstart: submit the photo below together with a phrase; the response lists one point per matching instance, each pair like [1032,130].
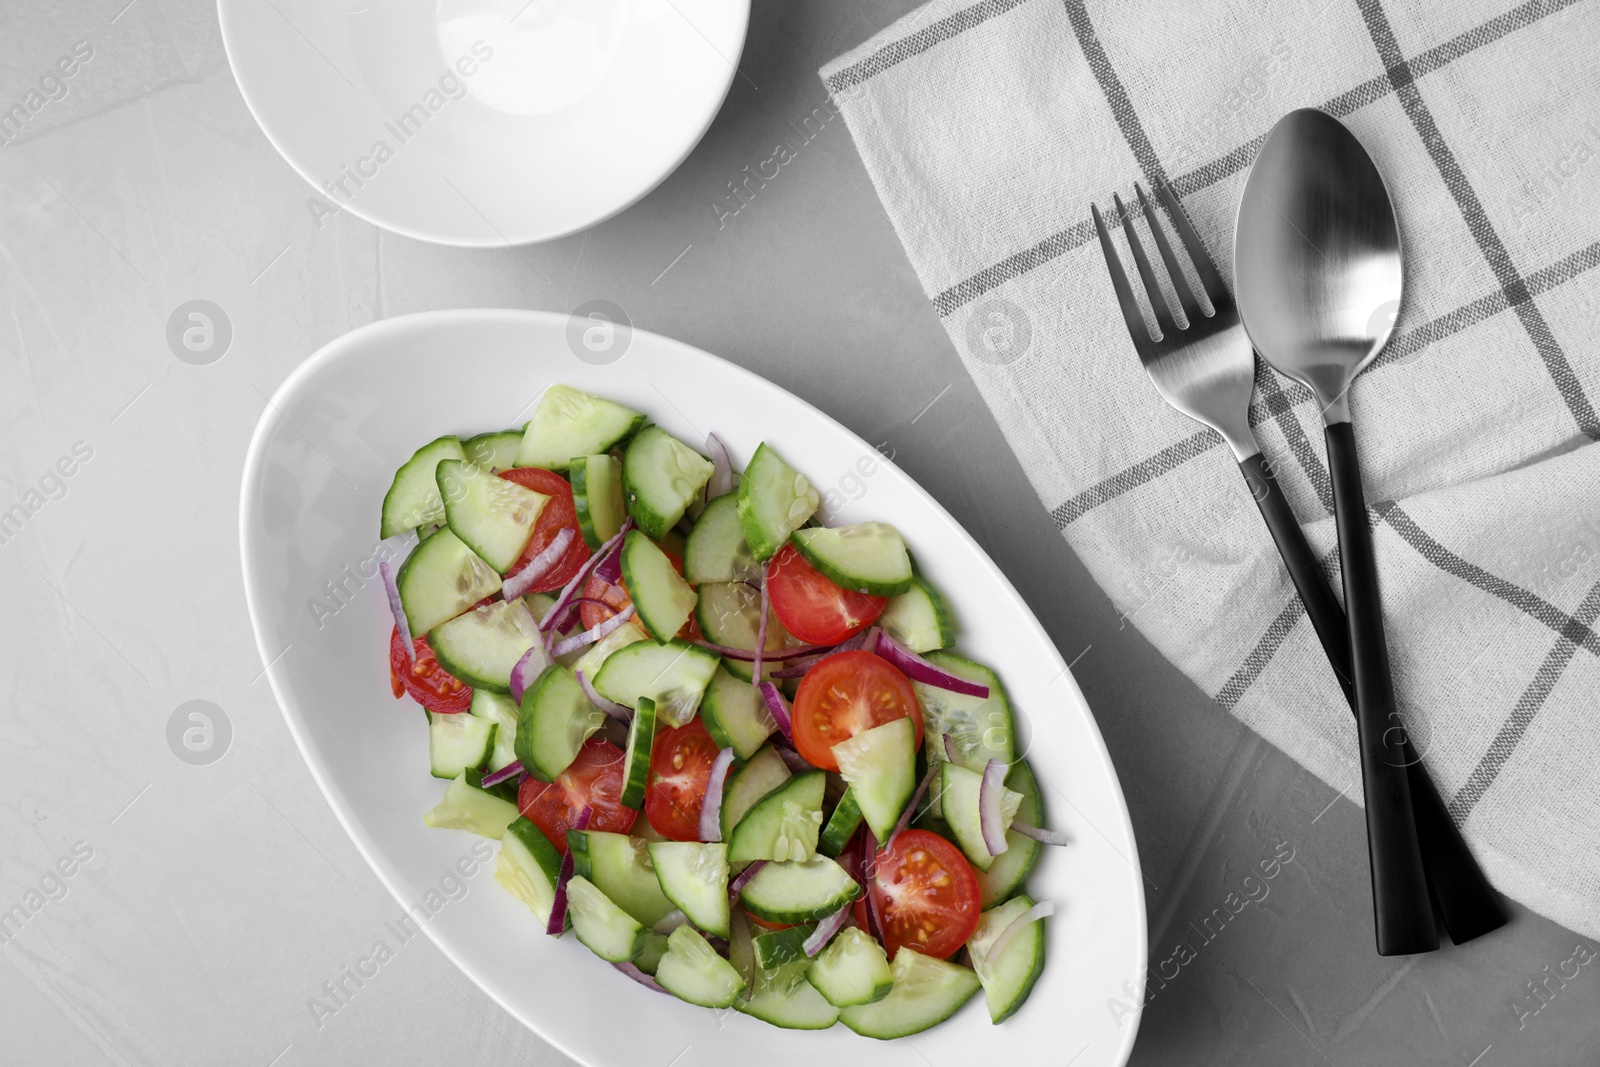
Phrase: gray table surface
[217,899]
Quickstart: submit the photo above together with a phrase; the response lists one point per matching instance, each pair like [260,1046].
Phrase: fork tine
[1125,299]
[1210,280]
[1180,283]
[1152,287]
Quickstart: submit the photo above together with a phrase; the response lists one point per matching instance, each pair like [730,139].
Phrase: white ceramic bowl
[318,467]
[483,122]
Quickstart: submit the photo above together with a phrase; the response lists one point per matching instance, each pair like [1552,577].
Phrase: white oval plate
[319,464]
[483,123]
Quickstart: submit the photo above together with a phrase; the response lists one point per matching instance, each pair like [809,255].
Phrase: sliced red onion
[1016,926]
[558,611]
[526,670]
[990,817]
[609,570]
[869,872]
[861,640]
[792,759]
[744,877]
[509,771]
[825,931]
[777,707]
[632,971]
[918,669]
[397,611]
[538,566]
[589,637]
[670,921]
[610,707]
[711,809]
[721,480]
[761,635]
[911,808]
[950,752]
[1044,837]
[558,907]
[770,655]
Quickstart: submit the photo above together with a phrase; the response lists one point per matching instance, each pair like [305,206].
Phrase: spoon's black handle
[1467,902]
[1401,911]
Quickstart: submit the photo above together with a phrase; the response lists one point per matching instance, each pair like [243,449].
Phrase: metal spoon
[1318,277]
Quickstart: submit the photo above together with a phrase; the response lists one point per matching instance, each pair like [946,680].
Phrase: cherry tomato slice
[845,694]
[428,683]
[927,895]
[811,606]
[680,768]
[594,779]
[765,925]
[560,513]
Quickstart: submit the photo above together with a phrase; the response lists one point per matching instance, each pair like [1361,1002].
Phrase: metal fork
[1206,369]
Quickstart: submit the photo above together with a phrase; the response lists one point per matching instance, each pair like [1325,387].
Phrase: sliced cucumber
[621,868]
[981,728]
[528,866]
[926,991]
[798,892]
[735,715]
[841,826]
[784,824]
[649,957]
[413,498]
[502,711]
[869,557]
[662,598]
[457,742]
[694,877]
[851,970]
[958,802]
[774,948]
[1008,980]
[481,646]
[492,515]
[692,971]
[1010,869]
[554,721]
[729,613]
[568,424]
[538,604]
[440,579]
[761,774]
[674,675]
[715,550]
[493,451]
[592,660]
[464,806]
[918,618]
[881,766]
[660,477]
[636,765]
[597,496]
[775,500]
[781,997]
[608,931]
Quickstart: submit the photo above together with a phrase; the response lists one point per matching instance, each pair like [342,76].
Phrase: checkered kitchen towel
[988,127]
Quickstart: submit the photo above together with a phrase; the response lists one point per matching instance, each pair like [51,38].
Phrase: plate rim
[362,211]
[424,321]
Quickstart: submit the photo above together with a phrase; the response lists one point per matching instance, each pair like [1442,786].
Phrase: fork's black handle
[1467,902]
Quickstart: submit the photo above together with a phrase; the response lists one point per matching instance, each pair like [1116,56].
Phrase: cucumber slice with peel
[501,710]
[553,722]
[1010,869]
[465,806]
[457,742]
[881,766]
[662,598]
[528,866]
[918,618]
[760,775]
[597,497]
[958,802]
[1007,981]
[649,957]
[413,498]
[590,662]
[715,550]
[735,715]
[440,579]
[691,970]
[851,970]
[661,476]
[798,892]
[926,992]
[774,948]
[568,424]
[784,824]
[729,613]
[694,877]
[674,675]
[841,825]
[493,516]
[636,764]
[869,557]
[774,501]
[620,867]
[480,647]
[493,451]
[607,930]
[982,729]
